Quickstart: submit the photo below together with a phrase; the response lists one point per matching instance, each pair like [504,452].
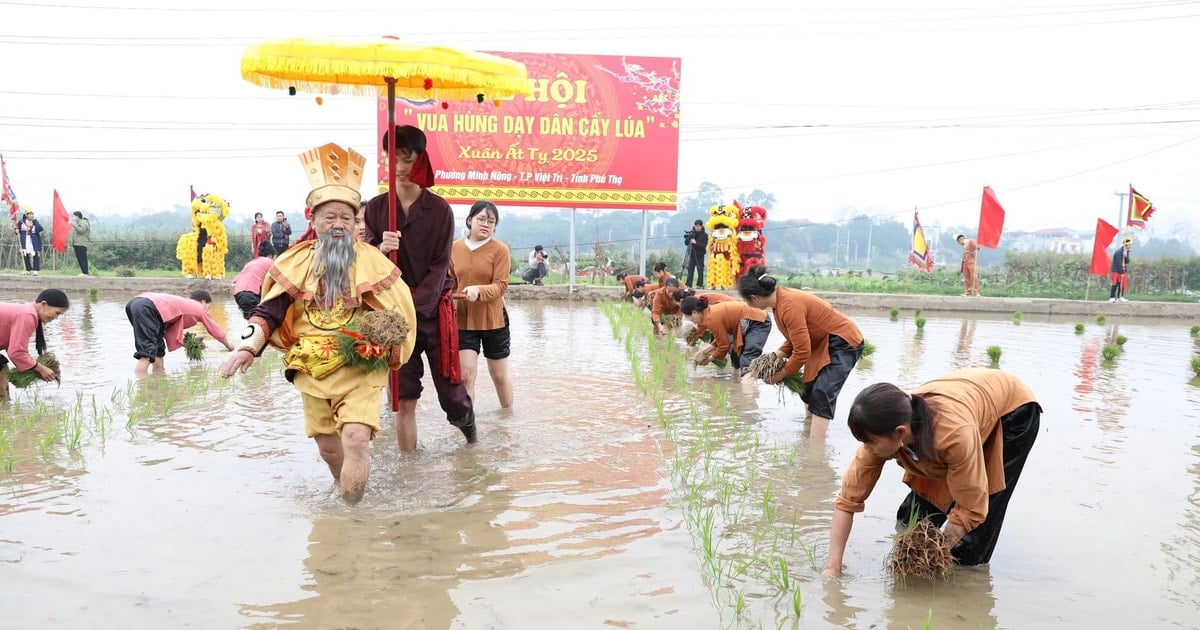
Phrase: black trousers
[148,329]
[33,262]
[201,241]
[81,256]
[695,263]
[1020,428]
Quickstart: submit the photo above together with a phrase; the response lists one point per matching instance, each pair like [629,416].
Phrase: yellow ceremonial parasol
[365,66]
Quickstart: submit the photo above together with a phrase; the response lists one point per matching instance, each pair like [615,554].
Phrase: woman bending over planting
[739,330]
[817,337]
[962,440]
[19,322]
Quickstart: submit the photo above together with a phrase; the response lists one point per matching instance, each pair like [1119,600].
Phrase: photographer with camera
[537,266]
[696,242]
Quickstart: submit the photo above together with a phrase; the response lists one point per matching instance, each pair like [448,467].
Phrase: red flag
[193,191]
[62,225]
[991,220]
[1140,210]
[1105,233]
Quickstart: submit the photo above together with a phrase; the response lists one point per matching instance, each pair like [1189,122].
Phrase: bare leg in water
[818,427]
[348,456]
[406,425]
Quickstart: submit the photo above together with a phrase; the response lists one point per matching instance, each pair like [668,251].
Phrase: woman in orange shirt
[962,441]
[738,329]
[817,337]
[631,282]
[480,266]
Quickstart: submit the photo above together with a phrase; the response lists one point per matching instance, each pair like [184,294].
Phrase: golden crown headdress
[334,173]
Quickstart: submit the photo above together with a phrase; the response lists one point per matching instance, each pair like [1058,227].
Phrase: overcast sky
[834,106]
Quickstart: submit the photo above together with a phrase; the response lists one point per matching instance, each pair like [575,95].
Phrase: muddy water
[212,510]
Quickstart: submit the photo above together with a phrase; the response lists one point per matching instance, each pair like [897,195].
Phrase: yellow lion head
[722,221]
[208,209]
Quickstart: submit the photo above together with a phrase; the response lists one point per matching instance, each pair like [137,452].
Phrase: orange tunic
[724,319]
[715,297]
[630,283]
[663,304]
[969,440]
[488,268]
[806,322]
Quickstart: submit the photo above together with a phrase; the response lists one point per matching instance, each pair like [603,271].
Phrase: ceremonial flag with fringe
[1105,232]
[1140,209]
[920,255]
[7,196]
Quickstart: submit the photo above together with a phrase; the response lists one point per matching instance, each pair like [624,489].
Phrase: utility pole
[1121,211]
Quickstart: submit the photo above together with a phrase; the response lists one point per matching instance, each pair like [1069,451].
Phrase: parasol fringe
[319,67]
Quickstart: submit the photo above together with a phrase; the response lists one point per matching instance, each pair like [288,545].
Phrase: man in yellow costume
[340,313]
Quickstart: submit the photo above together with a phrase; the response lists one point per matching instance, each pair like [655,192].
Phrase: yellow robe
[309,334]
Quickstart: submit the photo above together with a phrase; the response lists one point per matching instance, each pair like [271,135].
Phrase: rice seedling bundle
[769,363]
[920,552]
[704,356]
[193,346]
[368,342]
[25,378]
[384,328]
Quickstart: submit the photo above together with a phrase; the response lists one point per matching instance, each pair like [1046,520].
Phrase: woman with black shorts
[480,266]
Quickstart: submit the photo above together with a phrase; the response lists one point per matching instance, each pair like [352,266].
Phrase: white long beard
[332,265]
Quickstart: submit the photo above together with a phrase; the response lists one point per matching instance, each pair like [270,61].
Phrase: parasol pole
[394,375]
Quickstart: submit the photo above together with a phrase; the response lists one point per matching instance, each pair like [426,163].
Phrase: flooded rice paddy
[625,489]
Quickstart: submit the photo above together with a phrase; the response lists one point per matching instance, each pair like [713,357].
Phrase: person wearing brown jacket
[662,304]
[739,330]
[817,337]
[962,440]
[480,266]
[630,282]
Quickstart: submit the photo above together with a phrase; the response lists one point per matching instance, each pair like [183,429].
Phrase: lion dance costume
[751,244]
[202,251]
[723,259]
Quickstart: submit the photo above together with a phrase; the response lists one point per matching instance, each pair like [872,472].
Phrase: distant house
[1058,240]
[1066,245]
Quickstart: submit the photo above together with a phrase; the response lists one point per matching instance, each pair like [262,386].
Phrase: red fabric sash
[421,171]
[448,364]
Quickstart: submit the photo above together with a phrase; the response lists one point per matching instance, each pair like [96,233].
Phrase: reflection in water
[965,601]
[1103,392]
[389,570]
[966,338]
[1183,549]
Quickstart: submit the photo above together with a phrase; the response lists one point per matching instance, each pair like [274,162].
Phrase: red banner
[597,132]
[1104,236]
[62,225]
[991,220]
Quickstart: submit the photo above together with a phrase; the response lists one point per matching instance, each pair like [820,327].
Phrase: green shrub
[1110,352]
[1100,320]
[920,323]
[1078,329]
[1121,339]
